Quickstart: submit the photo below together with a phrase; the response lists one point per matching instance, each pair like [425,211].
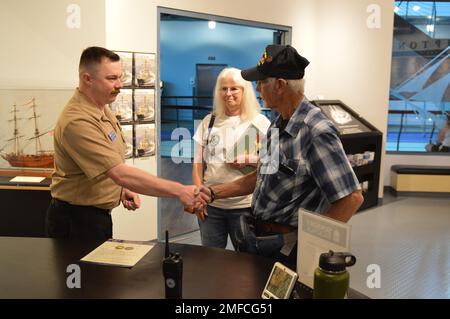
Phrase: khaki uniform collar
[89,106]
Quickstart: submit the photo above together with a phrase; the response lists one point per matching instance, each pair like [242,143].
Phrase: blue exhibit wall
[183,44]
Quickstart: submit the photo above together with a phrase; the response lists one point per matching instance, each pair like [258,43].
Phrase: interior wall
[39,49]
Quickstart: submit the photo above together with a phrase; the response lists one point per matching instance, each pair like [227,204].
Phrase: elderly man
[311,168]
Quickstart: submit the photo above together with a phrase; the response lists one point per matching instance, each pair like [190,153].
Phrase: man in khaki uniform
[90,176]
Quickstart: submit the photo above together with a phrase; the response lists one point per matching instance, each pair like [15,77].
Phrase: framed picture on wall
[144,105]
[127,131]
[126,61]
[122,107]
[145,140]
[145,69]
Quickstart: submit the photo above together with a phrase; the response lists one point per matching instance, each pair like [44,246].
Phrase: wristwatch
[213,195]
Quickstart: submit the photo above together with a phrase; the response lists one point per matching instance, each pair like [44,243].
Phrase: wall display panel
[144,101]
[122,107]
[145,140]
[126,61]
[127,131]
[145,69]
[135,105]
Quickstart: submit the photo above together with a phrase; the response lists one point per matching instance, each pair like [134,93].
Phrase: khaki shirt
[87,144]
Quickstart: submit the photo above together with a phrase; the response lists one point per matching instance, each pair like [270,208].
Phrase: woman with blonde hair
[226,148]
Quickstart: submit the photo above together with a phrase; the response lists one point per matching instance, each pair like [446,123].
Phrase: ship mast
[16,137]
[38,146]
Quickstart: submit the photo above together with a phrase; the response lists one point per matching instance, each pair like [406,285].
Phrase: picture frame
[144,105]
[144,140]
[144,69]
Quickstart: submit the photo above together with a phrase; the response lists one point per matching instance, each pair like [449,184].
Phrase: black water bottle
[173,273]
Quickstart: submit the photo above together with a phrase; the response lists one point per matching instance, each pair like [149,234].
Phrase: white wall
[38,49]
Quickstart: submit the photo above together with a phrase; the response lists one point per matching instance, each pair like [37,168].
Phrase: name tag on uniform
[112,135]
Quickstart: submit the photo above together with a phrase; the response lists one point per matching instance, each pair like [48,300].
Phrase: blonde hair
[249,105]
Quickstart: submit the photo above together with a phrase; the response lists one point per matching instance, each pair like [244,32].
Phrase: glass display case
[27,118]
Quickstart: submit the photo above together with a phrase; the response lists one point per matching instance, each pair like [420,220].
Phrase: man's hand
[193,196]
[200,203]
[130,200]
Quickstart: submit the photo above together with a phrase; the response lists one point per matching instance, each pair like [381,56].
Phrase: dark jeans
[220,223]
[64,220]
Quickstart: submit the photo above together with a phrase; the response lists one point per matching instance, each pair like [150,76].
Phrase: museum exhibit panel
[362,145]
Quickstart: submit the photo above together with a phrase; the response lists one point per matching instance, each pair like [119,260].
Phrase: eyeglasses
[233,89]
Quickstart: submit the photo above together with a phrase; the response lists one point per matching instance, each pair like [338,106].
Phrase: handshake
[195,199]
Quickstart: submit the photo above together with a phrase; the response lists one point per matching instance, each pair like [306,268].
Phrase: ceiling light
[212,24]
[416,8]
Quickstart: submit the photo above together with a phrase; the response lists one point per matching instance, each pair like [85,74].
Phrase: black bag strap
[210,125]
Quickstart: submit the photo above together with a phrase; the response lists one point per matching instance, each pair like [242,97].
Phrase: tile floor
[407,237]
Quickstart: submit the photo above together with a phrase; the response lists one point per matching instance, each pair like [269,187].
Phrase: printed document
[115,253]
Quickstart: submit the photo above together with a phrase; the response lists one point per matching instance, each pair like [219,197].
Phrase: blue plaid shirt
[312,169]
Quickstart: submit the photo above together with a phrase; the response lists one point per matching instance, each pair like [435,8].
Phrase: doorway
[191,54]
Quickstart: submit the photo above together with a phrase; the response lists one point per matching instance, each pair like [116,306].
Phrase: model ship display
[17,158]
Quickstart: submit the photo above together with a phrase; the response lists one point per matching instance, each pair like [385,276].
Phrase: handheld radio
[173,272]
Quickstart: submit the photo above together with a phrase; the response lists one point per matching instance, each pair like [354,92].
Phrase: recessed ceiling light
[212,24]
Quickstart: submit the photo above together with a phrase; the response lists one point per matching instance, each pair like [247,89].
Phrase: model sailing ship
[17,158]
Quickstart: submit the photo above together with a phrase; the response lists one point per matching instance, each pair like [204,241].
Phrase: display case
[362,144]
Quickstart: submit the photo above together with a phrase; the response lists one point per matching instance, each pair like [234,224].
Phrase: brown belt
[266,228]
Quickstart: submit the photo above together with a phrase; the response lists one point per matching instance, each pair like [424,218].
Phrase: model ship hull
[38,161]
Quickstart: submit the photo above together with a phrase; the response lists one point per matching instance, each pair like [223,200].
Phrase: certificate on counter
[27,179]
[120,254]
[318,234]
